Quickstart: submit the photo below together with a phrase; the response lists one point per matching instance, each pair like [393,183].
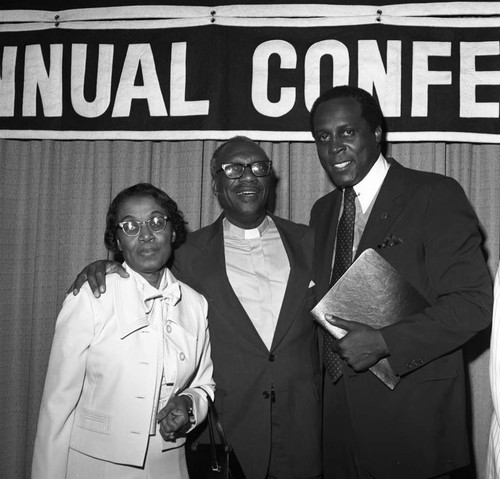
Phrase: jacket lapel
[299,253]
[130,309]
[325,231]
[392,197]
[217,288]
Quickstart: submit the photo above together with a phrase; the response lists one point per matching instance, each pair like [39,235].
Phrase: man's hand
[174,417]
[95,273]
[362,346]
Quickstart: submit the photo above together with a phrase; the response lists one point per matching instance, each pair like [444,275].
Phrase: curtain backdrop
[54,196]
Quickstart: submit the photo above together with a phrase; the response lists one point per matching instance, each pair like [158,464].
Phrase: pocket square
[312,283]
[391,240]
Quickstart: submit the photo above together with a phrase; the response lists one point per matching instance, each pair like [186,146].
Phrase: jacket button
[266,394]
[182,356]
[272,357]
[169,329]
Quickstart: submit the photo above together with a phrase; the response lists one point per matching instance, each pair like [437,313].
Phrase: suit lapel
[392,197]
[300,257]
[218,289]
[130,310]
[325,230]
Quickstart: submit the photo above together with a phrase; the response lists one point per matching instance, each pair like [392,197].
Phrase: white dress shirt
[366,194]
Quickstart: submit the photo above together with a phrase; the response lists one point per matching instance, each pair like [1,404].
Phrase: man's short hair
[370,108]
[219,150]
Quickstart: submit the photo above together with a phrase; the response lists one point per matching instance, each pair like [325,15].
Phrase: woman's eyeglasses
[133,227]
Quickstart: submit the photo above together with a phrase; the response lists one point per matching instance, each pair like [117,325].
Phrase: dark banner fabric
[110,74]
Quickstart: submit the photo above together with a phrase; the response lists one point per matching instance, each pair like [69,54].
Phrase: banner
[214,73]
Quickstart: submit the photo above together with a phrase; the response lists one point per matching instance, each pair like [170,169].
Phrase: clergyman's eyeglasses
[235,170]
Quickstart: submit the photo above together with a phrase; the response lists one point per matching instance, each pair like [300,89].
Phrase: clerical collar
[242,233]
[368,187]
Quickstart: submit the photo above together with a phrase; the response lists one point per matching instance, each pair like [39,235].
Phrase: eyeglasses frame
[248,165]
[141,223]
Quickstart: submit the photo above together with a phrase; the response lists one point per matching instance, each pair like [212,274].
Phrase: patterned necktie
[343,259]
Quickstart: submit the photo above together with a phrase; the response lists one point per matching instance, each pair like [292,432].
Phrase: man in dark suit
[255,271]
[267,378]
[424,226]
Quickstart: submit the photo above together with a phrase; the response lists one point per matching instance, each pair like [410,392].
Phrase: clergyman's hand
[362,346]
[95,273]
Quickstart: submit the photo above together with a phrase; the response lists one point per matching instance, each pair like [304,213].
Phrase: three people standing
[260,278]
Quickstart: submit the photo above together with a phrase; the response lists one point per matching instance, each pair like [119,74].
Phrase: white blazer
[104,371]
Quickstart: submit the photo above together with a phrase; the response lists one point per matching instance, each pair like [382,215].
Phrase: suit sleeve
[63,385]
[458,279]
[180,266]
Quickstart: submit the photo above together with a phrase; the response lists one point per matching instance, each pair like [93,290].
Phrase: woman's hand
[95,273]
[174,418]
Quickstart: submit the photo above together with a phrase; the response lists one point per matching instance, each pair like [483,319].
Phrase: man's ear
[214,187]
[119,244]
[378,134]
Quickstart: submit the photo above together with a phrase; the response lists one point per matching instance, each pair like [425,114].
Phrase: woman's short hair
[140,190]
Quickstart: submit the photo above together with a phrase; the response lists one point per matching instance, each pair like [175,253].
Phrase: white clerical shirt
[258,268]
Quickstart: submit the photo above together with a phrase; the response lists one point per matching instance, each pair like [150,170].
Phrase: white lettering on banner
[260,78]
[8,81]
[48,83]
[422,77]
[139,55]
[178,104]
[470,78]
[339,54]
[95,108]
[372,73]
[39,81]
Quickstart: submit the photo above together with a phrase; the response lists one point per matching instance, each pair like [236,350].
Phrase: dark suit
[244,369]
[419,429]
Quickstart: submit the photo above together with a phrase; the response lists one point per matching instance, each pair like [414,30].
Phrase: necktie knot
[349,195]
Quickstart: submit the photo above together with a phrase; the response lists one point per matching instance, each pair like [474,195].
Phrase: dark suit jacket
[419,429]
[244,369]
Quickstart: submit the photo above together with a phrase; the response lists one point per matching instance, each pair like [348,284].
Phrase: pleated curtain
[54,197]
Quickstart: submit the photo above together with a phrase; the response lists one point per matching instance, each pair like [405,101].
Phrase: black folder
[372,292]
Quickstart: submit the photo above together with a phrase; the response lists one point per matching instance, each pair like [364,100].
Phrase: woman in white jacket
[129,372]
